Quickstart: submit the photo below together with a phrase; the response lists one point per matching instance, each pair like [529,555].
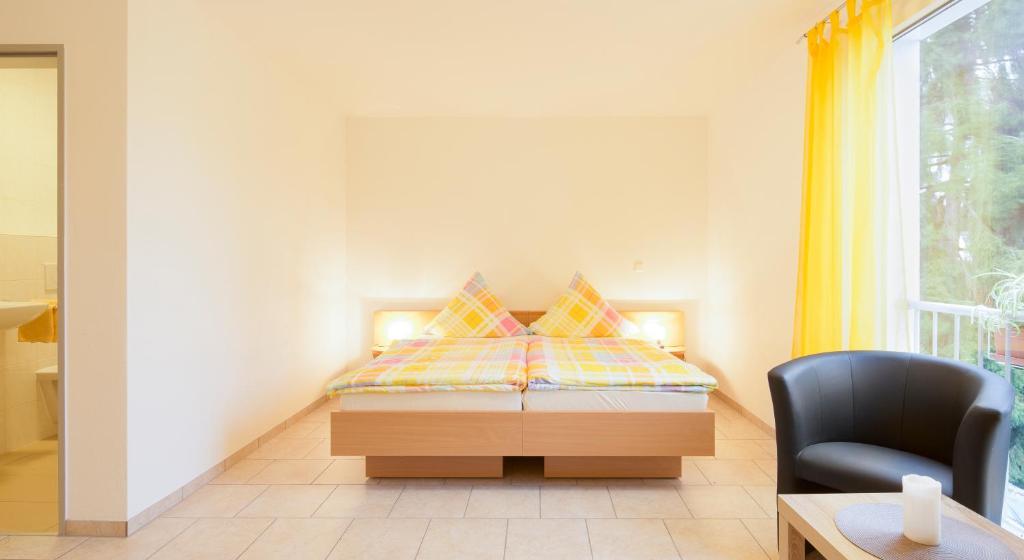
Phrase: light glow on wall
[389,326]
[662,327]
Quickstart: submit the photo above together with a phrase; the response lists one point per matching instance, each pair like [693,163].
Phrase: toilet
[47,380]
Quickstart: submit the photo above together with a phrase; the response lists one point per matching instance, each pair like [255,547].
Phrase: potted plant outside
[1007,299]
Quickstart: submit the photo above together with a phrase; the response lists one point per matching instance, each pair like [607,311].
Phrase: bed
[457,407]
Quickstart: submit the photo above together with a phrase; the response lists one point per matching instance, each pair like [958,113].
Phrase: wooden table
[811,518]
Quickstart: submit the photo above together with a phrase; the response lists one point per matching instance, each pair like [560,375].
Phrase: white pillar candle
[922,509]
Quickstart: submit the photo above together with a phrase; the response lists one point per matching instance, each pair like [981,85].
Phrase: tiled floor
[28,489]
[291,500]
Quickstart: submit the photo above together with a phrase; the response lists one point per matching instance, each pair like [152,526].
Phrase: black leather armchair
[859,421]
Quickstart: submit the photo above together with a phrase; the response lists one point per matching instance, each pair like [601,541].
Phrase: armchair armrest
[796,400]
[980,453]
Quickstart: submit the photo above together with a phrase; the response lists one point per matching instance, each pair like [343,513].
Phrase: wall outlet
[50,277]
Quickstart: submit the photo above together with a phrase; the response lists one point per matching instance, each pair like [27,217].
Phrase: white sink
[16,313]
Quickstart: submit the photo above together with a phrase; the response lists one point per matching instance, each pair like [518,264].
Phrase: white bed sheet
[641,401]
[650,401]
[433,400]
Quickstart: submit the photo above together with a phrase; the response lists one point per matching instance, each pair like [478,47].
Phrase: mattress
[435,400]
[602,364]
[440,364]
[637,401]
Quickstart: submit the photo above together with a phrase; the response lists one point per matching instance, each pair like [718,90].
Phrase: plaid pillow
[475,313]
[582,313]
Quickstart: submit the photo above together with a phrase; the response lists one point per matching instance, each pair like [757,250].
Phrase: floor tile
[547,539]
[733,472]
[713,539]
[297,539]
[138,546]
[720,502]
[357,500]
[575,502]
[627,539]
[321,451]
[321,414]
[504,502]
[322,430]
[740,428]
[691,476]
[768,445]
[242,471]
[345,471]
[213,539]
[765,497]
[766,532]
[290,472]
[28,517]
[36,547]
[380,539]
[769,466]
[288,501]
[285,448]
[431,502]
[647,501]
[300,429]
[216,501]
[742,449]
[469,539]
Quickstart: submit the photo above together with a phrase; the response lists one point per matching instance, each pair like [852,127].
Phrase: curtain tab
[833,20]
[813,39]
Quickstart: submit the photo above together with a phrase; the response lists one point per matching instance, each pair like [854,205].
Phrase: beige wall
[93,34]
[527,201]
[236,246]
[753,228]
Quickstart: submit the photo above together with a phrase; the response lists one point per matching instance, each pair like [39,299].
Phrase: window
[960,131]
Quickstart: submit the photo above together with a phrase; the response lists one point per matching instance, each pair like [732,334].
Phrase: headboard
[405,324]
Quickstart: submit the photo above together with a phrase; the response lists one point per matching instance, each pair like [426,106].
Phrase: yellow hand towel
[41,329]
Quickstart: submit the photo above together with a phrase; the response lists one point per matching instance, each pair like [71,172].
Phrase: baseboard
[138,521]
[95,528]
[746,413]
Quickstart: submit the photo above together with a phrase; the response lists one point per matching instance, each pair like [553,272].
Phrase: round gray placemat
[878,530]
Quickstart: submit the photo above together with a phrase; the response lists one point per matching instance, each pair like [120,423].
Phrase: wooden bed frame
[583,444]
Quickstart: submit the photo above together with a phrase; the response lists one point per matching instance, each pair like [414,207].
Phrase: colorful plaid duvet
[620,364]
[441,364]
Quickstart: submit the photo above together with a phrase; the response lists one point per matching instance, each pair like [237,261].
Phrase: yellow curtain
[842,300]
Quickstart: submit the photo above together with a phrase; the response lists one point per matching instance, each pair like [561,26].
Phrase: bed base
[613,467]
[430,467]
[608,444]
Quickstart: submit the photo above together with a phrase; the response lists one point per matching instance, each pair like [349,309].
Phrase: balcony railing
[931,311]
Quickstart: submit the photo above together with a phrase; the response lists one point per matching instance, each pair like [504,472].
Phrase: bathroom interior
[28,294]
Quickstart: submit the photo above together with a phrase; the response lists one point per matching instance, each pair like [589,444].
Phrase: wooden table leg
[791,543]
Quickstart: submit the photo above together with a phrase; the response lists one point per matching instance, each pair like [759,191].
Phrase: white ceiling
[520,57]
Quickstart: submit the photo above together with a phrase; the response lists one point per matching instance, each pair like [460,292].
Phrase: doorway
[31,288]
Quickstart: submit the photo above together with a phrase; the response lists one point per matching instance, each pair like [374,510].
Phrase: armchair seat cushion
[859,467]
